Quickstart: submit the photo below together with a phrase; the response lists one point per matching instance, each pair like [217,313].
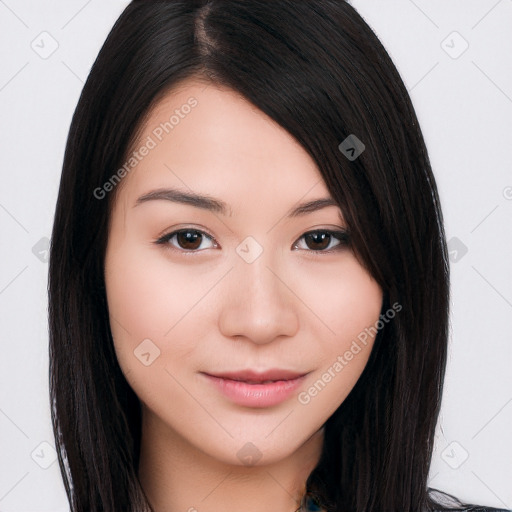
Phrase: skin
[293,307]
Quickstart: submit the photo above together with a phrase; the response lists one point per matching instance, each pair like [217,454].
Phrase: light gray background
[464,103]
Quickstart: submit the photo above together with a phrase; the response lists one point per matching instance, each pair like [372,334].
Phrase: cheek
[349,304]
[344,298]
[147,299]
[136,300]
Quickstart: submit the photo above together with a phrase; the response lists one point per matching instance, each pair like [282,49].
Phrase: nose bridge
[262,286]
[258,305]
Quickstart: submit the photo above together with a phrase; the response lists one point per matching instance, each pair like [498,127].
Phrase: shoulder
[442,501]
[490,509]
[477,509]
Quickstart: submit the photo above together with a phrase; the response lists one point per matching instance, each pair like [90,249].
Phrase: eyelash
[342,236]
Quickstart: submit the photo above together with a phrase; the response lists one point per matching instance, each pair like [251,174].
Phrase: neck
[178,477]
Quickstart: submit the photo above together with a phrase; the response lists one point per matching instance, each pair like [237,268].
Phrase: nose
[257,303]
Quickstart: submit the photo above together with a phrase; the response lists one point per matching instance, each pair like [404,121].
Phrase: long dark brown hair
[317,69]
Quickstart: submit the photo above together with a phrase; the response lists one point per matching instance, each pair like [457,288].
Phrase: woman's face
[240,287]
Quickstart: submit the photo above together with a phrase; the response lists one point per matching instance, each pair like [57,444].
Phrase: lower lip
[256,395]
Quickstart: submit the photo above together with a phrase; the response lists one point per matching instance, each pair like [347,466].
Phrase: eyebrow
[218,206]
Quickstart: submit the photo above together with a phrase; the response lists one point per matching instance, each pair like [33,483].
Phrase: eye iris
[323,238]
[189,239]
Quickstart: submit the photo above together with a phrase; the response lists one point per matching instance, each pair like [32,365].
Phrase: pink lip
[256,395]
[252,375]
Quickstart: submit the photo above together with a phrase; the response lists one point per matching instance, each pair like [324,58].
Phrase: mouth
[258,381]
[249,389]
[251,376]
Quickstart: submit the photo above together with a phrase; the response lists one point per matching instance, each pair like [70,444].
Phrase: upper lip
[259,376]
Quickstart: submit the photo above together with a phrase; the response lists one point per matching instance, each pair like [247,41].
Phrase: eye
[186,240]
[323,240]
[193,240]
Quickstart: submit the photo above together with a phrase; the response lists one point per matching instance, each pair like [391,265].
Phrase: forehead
[209,138]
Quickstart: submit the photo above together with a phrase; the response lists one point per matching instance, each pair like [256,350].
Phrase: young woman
[249,282]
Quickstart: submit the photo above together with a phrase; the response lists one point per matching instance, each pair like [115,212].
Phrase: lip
[256,376]
[234,386]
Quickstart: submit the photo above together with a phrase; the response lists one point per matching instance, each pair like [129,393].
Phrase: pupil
[323,238]
[189,239]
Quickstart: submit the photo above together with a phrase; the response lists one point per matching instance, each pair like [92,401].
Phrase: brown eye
[189,239]
[318,241]
[324,241]
[186,240]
